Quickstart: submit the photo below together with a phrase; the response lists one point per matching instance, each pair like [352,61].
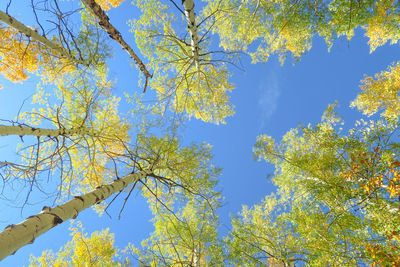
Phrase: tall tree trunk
[27,130]
[16,236]
[39,38]
[104,22]
[188,5]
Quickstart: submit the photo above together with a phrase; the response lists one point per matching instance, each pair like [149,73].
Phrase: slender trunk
[104,22]
[16,236]
[188,5]
[196,258]
[37,37]
[26,130]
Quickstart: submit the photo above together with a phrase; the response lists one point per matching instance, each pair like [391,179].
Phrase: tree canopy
[336,198]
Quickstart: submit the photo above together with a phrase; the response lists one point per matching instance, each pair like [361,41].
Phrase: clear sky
[269,98]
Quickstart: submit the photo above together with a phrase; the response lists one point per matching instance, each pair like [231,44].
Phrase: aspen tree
[16,236]
[175,173]
[12,22]
[24,50]
[337,199]
[197,88]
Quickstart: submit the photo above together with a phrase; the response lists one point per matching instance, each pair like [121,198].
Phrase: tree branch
[104,22]
[9,20]
[19,130]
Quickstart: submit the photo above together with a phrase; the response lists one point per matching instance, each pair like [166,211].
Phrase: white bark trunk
[37,37]
[16,236]
[104,22]
[188,5]
[26,130]
[195,259]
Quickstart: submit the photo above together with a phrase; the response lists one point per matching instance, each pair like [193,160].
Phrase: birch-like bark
[188,5]
[37,37]
[33,131]
[196,262]
[104,22]
[16,236]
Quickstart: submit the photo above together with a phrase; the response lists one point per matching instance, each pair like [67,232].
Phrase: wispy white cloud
[269,92]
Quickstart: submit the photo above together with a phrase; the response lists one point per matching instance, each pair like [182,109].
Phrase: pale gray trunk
[16,236]
[37,37]
[196,258]
[26,130]
[104,22]
[188,5]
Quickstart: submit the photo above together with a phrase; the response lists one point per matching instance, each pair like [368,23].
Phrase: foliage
[381,92]
[338,196]
[286,27]
[50,56]
[20,55]
[107,4]
[183,201]
[337,201]
[96,250]
[187,236]
[383,26]
[15,53]
[198,90]
[82,101]
[179,171]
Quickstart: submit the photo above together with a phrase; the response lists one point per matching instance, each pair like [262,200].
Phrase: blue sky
[269,98]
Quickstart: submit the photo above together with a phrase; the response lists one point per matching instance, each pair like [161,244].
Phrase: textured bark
[104,22]
[37,37]
[26,130]
[16,236]
[188,5]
